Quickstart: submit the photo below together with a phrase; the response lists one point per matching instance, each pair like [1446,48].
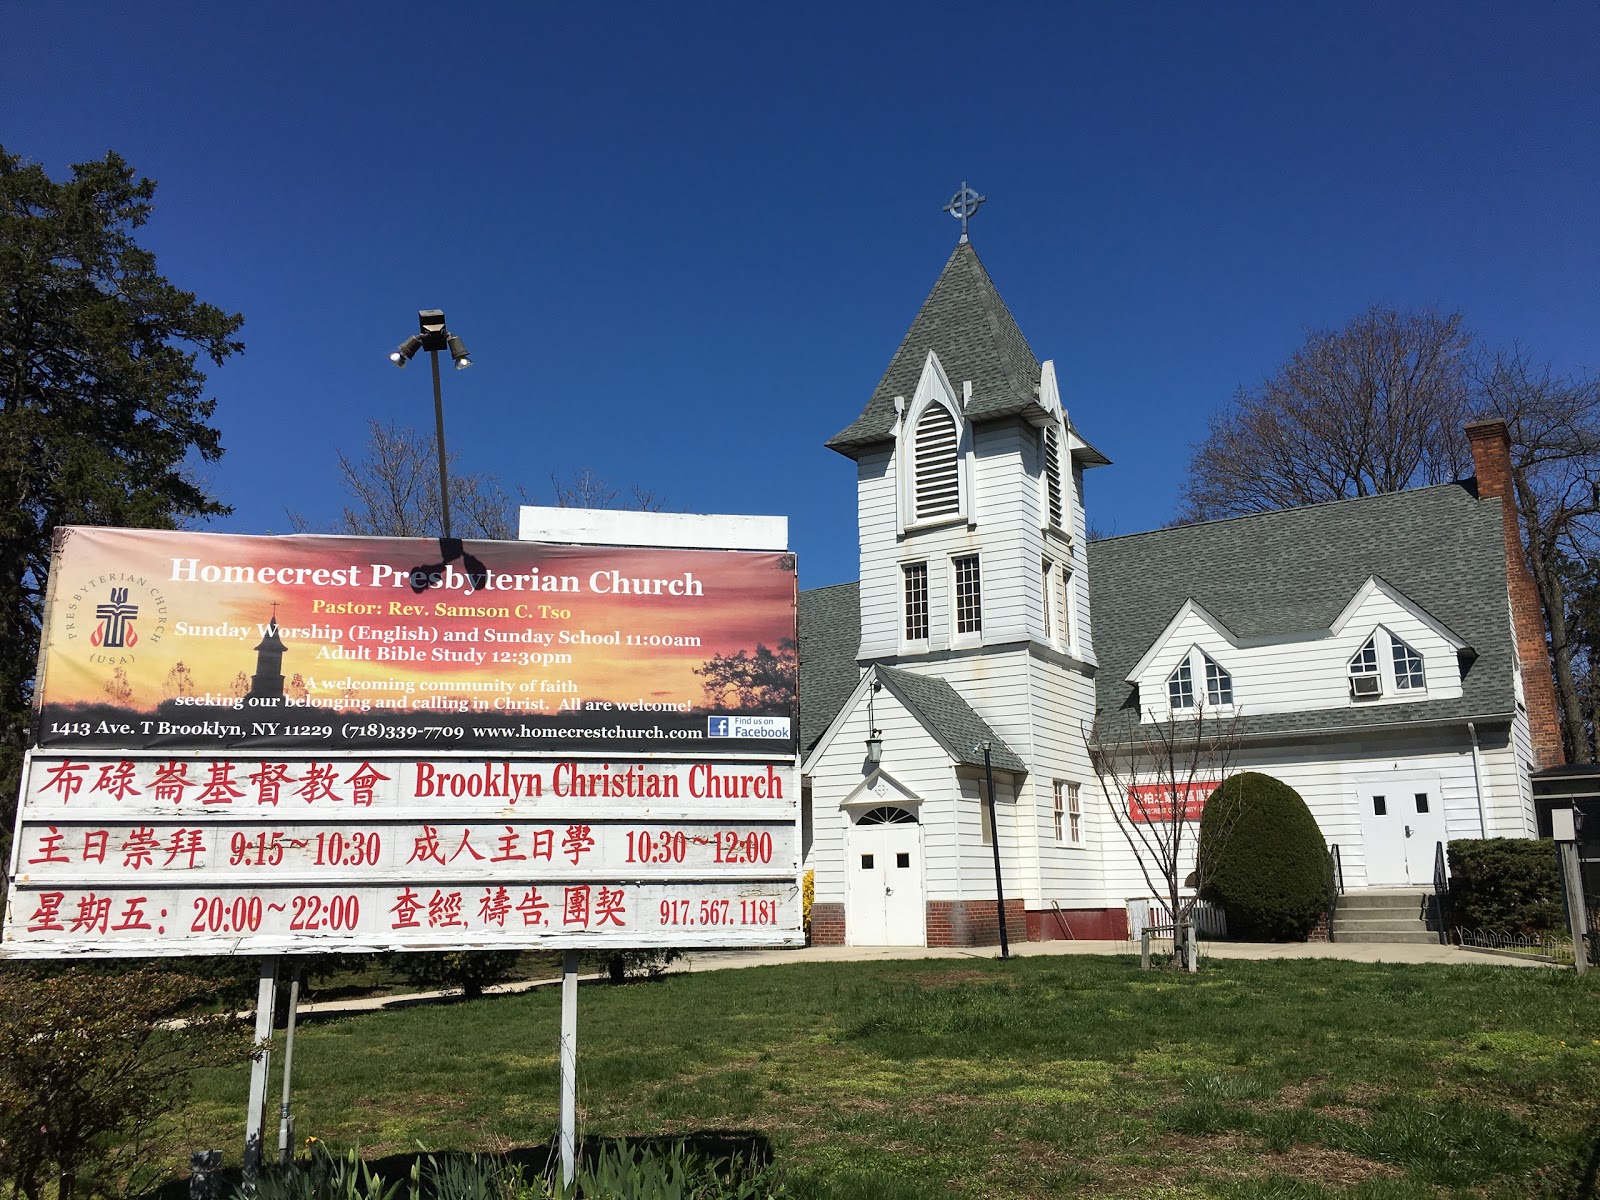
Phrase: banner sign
[155,856]
[1155,802]
[160,639]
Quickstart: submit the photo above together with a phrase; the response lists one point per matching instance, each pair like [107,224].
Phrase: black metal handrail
[1441,893]
[1334,883]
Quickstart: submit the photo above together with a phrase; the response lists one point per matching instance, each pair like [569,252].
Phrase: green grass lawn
[1042,1077]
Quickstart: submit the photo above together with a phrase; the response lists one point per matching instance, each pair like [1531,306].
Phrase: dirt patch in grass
[1314,1164]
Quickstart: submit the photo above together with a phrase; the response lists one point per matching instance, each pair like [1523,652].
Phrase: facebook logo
[717,727]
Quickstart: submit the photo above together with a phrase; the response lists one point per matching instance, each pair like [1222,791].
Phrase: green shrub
[1262,859]
[86,1070]
[1509,884]
[468,971]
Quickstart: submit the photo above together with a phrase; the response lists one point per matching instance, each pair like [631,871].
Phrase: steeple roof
[966,323]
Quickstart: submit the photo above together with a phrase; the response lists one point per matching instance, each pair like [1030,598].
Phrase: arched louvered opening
[938,490]
[1052,477]
[888,815]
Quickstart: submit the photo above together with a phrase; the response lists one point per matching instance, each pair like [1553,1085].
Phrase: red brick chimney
[1491,458]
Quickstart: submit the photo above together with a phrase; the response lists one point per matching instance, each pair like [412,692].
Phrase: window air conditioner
[1364,687]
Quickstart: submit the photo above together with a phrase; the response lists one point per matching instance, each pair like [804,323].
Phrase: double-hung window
[969,595]
[915,577]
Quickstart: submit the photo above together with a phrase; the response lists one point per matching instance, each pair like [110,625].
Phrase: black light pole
[434,338]
[994,841]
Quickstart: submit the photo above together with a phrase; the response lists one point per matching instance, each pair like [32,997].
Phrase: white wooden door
[1401,823]
[884,893]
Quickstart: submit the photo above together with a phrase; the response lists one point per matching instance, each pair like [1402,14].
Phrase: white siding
[1300,676]
[1329,775]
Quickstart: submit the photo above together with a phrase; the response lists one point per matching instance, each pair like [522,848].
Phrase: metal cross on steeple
[963,205]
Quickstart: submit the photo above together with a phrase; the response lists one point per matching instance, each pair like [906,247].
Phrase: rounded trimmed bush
[1262,859]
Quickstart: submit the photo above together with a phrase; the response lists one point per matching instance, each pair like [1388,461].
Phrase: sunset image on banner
[160,638]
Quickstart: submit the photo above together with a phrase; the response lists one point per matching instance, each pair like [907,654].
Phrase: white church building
[1372,650]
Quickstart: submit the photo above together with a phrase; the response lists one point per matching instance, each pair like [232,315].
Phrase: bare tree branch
[1149,781]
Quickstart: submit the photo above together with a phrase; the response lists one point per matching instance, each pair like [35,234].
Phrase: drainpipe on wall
[1477,779]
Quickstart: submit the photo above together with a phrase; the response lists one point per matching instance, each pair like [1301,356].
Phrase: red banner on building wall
[1152,802]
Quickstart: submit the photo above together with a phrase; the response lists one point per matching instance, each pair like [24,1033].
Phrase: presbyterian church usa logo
[112,614]
[116,630]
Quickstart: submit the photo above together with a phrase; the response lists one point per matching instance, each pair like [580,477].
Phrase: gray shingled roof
[1292,572]
[967,324]
[830,633]
[943,711]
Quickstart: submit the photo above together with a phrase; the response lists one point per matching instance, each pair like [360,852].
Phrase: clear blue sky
[682,241]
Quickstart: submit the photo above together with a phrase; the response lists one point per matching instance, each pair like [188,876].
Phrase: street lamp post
[433,338]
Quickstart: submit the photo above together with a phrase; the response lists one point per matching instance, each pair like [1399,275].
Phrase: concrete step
[1398,924]
[1361,902]
[1376,937]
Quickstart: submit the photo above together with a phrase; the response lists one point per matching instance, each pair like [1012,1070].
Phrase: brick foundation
[1319,931]
[1078,924]
[1491,459]
[973,923]
[827,924]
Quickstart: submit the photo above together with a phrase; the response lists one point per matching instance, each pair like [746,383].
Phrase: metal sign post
[260,1066]
[569,1069]
[1564,825]
[285,1121]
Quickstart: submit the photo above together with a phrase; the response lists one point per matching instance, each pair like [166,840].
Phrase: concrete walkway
[726,960]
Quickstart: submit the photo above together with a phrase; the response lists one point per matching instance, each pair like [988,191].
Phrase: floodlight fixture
[406,352]
[433,337]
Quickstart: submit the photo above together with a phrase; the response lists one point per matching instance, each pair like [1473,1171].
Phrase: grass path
[1041,1077]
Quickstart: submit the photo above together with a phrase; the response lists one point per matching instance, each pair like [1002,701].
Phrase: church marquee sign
[270,745]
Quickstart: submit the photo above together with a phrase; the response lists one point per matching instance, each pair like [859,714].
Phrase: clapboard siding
[880,576]
[1300,676]
[1329,777]
[1067,873]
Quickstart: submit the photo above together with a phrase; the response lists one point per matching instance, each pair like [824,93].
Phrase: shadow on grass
[747,1150]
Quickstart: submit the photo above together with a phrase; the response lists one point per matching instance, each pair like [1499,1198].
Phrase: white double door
[1402,821]
[884,905]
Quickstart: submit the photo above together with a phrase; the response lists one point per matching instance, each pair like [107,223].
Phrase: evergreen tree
[101,398]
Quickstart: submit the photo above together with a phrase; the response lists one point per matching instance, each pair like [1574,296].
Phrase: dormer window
[1365,681]
[1408,674]
[1050,453]
[1219,684]
[936,464]
[1180,687]
[1183,691]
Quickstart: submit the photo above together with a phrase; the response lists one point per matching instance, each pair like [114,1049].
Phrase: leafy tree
[745,682]
[86,1070]
[102,401]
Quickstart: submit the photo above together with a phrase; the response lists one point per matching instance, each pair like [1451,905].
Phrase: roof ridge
[1278,512]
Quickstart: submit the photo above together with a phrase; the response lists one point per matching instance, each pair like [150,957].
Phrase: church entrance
[1402,823]
[883,890]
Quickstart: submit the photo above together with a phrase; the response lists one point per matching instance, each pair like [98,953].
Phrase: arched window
[936,466]
[1051,453]
[888,815]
